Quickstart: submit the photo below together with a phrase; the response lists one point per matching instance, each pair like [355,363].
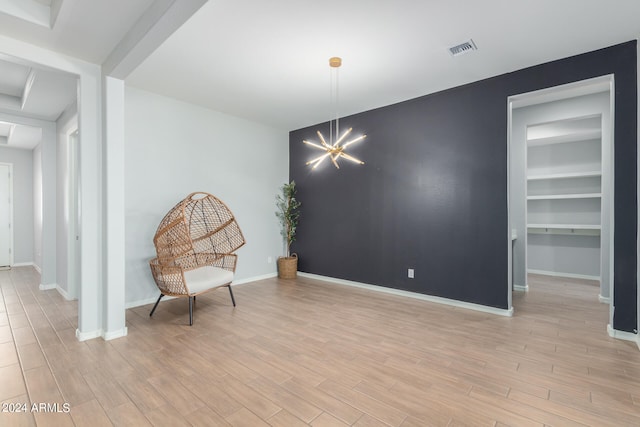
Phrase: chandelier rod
[335,63]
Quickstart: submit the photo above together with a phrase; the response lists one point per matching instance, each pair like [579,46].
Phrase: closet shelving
[564,171]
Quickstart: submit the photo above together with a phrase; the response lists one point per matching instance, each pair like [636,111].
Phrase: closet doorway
[561,186]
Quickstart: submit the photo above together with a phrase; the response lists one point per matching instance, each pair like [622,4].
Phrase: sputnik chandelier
[334,150]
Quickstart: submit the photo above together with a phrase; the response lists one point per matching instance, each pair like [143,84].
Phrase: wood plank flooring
[304,352]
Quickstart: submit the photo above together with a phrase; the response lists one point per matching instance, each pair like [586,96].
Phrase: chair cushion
[207,277]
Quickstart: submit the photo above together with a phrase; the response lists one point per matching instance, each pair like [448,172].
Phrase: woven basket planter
[288,267]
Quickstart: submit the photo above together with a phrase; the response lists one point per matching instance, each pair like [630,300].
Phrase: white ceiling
[88,30]
[19,136]
[84,29]
[267,60]
[34,92]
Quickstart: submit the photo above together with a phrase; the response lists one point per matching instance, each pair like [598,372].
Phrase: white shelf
[567,226]
[564,229]
[570,137]
[566,196]
[565,175]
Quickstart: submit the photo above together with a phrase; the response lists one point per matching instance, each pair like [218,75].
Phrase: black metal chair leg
[156,304]
[233,300]
[191,310]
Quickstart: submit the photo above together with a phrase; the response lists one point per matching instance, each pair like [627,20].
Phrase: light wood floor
[309,353]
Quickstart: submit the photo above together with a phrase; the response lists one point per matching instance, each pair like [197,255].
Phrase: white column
[114,275]
[49,191]
[90,143]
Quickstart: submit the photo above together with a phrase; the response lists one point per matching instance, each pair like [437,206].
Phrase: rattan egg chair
[194,244]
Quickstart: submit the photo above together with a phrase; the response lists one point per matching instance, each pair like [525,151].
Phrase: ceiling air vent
[463,48]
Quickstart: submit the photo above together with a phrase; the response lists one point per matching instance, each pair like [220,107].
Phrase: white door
[5,215]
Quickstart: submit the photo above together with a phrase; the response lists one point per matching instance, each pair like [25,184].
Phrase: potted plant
[288,214]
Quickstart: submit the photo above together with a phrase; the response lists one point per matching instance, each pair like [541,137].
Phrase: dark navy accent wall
[432,194]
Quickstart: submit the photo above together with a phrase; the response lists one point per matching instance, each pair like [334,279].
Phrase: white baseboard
[568,275]
[64,293]
[23,264]
[48,286]
[58,288]
[105,335]
[254,279]
[37,268]
[604,300]
[521,288]
[84,336]
[110,335]
[424,297]
[145,301]
[622,335]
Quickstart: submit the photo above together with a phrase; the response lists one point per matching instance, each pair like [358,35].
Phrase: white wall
[37,207]
[67,122]
[22,161]
[172,149]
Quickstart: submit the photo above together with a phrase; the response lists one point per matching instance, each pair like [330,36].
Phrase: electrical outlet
[269,260]
[410,273]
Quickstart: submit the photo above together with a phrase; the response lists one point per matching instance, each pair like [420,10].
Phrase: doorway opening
[560,144]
